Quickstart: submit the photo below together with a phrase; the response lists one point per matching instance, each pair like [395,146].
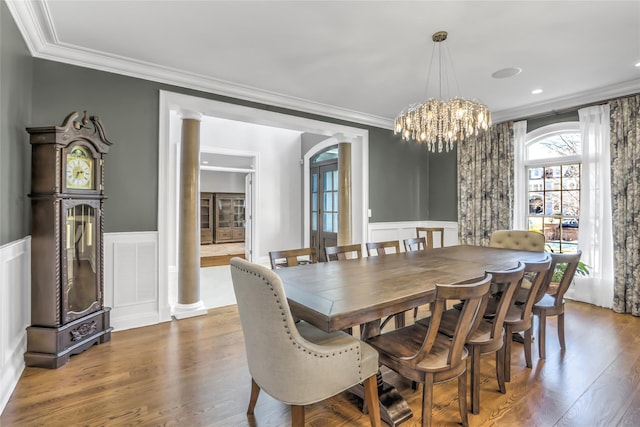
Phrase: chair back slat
[293,257]
[572,260]
[415,244]
[507,282]
[340,253]
[428,231]
[383,248]
[539,270]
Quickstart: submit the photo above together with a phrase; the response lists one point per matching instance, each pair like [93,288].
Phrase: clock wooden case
[67,195]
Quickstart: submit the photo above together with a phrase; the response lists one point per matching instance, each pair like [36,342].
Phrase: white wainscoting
[15,313]
[131,279]
[382,231]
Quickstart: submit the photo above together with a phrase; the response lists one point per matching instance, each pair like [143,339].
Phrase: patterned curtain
[625,202]
[485,184]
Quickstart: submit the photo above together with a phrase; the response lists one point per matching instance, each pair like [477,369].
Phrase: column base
[183,311]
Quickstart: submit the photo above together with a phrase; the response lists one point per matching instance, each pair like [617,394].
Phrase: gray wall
[38,92]
[443,186]
[15,115]
[128,108]
[398,178]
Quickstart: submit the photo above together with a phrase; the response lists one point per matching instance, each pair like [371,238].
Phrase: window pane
[314,183]
[328,205]
[552,178]
[335,180]
[314,201]
[552,203]
[327,226]
[566,144]
[535,224]
[335,201]
[335,222]
[570,177]
[571,203]
[328,182]
[536,203]
[314,221]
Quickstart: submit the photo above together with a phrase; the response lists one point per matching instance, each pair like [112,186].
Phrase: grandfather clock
[67,193]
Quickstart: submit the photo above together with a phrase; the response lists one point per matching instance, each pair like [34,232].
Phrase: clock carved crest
[67,196]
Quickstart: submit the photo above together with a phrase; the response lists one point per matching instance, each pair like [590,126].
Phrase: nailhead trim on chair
[284,319]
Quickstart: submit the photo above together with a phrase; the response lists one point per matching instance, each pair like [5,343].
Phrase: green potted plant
[558,272]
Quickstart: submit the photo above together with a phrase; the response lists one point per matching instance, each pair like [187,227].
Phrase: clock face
[79,173]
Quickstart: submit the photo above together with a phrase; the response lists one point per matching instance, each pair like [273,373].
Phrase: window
[553,160]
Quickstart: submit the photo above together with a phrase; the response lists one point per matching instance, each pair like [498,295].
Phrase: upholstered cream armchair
[522,240]
[296,363]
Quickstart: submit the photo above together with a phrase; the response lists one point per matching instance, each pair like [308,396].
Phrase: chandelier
[438,123]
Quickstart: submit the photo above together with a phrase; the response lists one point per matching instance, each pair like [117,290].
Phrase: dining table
[335,296]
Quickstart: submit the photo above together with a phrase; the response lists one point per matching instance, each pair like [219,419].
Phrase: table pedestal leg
[394,410]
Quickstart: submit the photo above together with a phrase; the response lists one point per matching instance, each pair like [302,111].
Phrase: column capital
[190,114]
[342,138]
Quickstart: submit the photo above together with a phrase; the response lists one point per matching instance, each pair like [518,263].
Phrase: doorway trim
[168,154]
[255,162]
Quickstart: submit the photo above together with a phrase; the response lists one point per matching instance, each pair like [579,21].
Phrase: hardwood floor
[193,372]
[220,254]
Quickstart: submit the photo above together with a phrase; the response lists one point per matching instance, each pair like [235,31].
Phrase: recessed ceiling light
[506,72]
[204,162]
[536,91]
[638,64]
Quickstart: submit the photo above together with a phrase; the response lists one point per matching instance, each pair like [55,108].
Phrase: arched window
[553,163]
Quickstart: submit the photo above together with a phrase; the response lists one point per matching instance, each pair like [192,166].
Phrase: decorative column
[344,193]
[189,302]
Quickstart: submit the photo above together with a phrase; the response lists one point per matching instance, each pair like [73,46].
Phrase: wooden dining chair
[422,354]
[415,244]
[429,234]
[488,336]
[293,257]
[295,362]
[340,253]
[519,318]
[383,248]
[412,245]
[553,305]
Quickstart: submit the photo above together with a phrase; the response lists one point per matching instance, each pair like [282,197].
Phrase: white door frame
[168,162]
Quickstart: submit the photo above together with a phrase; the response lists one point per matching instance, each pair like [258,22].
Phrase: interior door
[248,215]
[324,206]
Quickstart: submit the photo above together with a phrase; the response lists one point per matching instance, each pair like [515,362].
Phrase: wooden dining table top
[337,295]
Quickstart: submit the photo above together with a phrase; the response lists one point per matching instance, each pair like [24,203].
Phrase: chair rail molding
[382,231]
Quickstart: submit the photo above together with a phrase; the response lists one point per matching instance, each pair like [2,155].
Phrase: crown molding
[34,22]
[574,101]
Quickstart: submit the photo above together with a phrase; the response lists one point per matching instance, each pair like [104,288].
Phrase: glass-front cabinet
[229,217]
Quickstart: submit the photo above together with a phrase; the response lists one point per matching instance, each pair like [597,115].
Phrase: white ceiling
[357,60]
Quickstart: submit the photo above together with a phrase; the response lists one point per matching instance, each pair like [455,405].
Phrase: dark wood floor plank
[193,372]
